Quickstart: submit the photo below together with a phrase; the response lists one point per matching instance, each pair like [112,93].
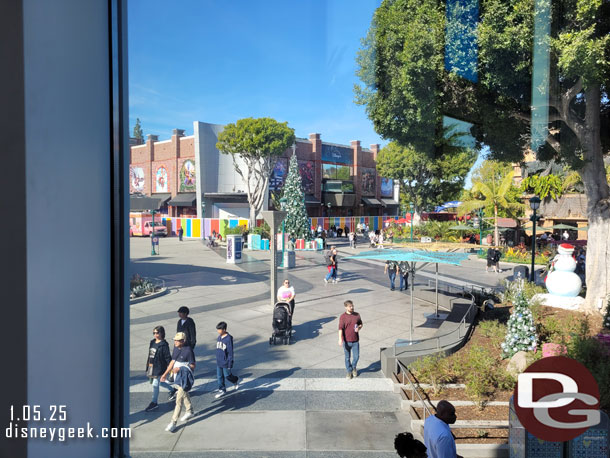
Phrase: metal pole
[273,249]
[152,235]
[532,276]
[411,226]
[412,307]
[283,242]
[436,289]
[480,227]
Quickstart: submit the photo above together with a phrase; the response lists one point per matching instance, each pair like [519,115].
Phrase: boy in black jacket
[224,359]
[187,325]
[158,359]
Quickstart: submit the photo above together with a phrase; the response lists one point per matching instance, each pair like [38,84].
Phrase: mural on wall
[188,181]
[279,174]
[339,154]
[387,187]
[368,182]
[308,176]
[136,179]
[161,180]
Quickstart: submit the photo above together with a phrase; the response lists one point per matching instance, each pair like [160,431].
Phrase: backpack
[327,258]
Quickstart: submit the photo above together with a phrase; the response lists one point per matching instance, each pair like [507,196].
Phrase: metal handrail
[462,324]
[403,369]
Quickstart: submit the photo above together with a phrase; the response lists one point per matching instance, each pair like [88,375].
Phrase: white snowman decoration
[562,281]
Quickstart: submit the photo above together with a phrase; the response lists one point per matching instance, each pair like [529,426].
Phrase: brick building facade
[190,177]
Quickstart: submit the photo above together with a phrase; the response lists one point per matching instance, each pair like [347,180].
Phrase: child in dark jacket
[187,325]
[156,364]
[224,359]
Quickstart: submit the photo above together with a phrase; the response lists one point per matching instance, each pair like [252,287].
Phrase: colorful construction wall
[373,222]
[198,228]
[201,227]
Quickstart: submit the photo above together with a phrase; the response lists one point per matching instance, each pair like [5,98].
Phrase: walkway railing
[434,343]
[402,369]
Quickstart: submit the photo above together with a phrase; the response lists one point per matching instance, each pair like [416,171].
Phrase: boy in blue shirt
[224,359]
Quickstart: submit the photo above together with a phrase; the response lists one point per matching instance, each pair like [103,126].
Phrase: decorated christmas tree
[607,317]
[297,221]
[521,331]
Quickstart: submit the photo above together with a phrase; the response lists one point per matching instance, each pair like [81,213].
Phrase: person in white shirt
[437,436]
[286,293]
[566,235]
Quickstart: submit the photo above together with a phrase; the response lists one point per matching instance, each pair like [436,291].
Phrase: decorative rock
[517,364]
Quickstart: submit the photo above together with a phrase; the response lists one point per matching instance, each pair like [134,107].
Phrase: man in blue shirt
[224,359]
[437,435]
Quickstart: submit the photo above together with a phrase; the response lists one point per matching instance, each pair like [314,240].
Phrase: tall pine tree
[297,221]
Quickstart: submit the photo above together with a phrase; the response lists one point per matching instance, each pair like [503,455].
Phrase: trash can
[522,272]
[289,259]
[234,248]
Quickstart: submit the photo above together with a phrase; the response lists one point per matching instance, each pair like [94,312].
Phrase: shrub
[512,288]
[264,231]
[494,330]
[431,369]
[595,356]
[238,230]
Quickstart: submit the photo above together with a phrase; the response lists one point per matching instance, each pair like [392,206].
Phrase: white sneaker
[236,386]
[325,280]
[171,427]
[220,394]
[186,416]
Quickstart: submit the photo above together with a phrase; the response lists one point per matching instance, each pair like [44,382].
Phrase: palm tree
[492,194]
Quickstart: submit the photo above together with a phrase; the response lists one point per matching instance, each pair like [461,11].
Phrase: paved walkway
[295,400]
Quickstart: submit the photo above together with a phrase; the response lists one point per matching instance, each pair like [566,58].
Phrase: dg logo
[557,399]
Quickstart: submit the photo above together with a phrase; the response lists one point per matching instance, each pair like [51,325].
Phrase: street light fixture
[534,205]
[411,211]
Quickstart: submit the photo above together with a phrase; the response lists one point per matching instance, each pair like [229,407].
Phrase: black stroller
[282,324]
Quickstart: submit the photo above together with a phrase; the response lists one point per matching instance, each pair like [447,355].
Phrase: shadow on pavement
[310,329]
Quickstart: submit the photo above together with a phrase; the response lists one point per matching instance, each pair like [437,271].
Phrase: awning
[371,202]
[143,203]
[163,198]
[339,199]
[389,202]
[311,200]
[183,200]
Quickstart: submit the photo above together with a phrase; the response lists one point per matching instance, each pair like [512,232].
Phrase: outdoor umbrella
[462,227]
[413,257]
[564,226]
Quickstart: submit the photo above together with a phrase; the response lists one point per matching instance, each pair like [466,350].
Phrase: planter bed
[489,413]
[474,436]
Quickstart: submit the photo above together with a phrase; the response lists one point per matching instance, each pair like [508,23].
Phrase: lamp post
[534,205]
[480,214]
[412,212]
[152,234]
[283,208]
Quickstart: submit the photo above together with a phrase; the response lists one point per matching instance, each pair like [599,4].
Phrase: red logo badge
[557,399]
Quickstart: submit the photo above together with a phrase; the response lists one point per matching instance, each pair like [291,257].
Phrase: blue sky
[219,61]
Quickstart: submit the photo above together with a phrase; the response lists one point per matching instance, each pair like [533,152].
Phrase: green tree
[297,221]
[138,133]
[426,181]
[493,194]
[255,145]
[407,87]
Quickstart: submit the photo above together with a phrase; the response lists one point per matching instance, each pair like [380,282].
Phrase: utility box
[234,248]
